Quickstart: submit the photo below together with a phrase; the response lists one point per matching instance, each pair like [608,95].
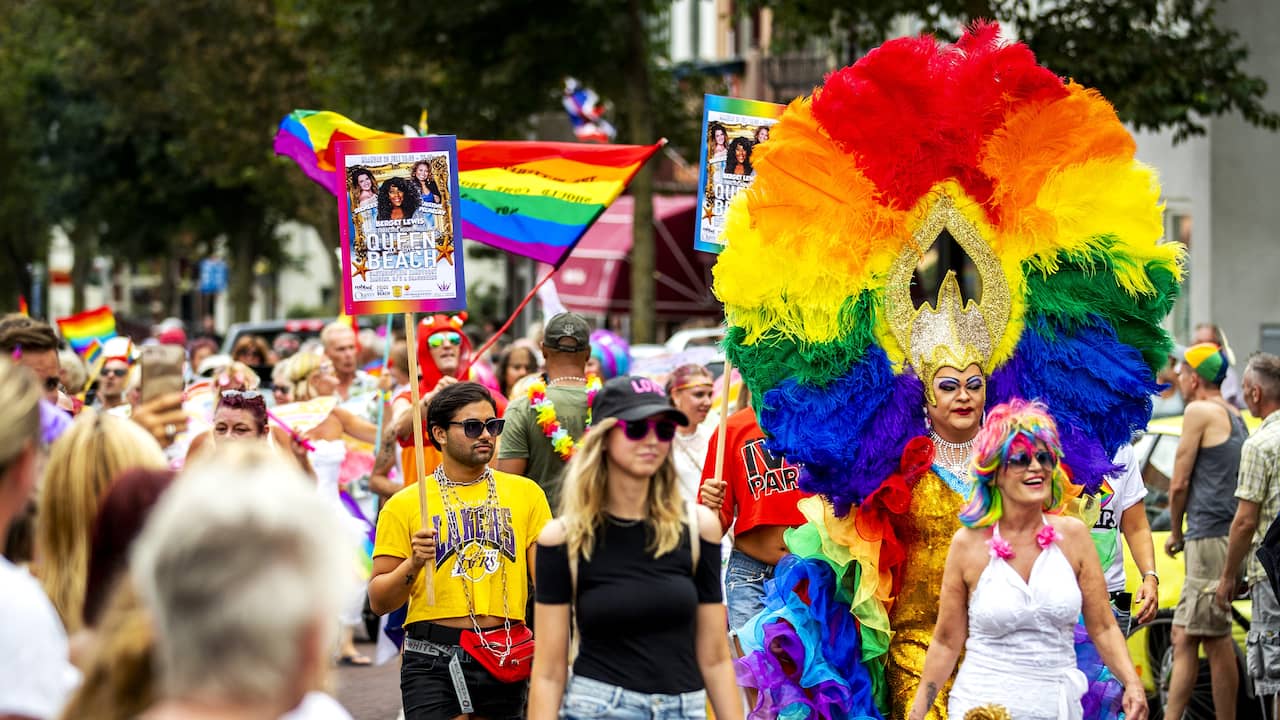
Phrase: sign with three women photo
[398,221]
[731,129]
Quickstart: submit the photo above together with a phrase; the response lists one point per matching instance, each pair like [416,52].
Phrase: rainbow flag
[83,328]
[92,352]
[533,199]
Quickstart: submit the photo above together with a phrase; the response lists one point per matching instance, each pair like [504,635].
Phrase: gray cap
[566,327]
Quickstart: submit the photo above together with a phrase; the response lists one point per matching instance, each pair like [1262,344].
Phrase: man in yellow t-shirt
[478,544]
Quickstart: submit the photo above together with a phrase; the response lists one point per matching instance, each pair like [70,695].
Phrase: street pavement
[369,693]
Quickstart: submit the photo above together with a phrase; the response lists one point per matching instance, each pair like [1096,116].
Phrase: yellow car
[1150,645]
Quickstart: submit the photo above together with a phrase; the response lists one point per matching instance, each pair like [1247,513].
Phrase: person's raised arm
[952,629]
[356,426]
[1078,545]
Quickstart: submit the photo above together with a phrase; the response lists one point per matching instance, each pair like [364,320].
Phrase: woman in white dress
[1017,577]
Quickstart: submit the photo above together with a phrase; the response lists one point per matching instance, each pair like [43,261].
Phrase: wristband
[1153,574]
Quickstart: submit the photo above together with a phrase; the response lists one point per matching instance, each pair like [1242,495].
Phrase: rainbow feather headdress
[1034,178]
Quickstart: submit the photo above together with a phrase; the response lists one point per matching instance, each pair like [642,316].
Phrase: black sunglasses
[639,429]
[118,372]
[51,384]
[475,428]
[1022,460]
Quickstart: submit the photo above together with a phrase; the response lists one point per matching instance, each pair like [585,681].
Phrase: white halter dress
[1021,649]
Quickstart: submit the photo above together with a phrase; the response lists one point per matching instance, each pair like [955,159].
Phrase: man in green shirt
[545,423]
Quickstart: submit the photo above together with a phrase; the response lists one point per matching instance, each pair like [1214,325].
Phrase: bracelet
[1151,573]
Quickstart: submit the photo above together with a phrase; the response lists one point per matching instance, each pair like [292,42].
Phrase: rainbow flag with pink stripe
[533,199]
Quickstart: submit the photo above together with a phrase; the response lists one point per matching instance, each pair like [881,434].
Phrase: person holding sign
[468,652]
[757,497]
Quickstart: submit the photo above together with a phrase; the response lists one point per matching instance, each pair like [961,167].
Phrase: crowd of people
[563,495]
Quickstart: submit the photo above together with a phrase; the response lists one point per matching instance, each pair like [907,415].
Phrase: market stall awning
[596,279]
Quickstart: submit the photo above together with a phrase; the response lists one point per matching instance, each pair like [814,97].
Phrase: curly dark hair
[732,159]
[411,198]
[712,128]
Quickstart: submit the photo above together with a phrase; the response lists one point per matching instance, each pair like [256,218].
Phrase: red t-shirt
[760,488]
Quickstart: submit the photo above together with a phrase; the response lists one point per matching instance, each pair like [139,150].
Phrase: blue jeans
[587,699]
[744,588]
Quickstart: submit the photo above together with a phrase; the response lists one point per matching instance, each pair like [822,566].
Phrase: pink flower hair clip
[1047,536]
[1000,548]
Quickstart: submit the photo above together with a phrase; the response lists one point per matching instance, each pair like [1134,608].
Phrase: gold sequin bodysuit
[926,535]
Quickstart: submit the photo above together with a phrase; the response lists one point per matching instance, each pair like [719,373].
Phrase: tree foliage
[1162,63]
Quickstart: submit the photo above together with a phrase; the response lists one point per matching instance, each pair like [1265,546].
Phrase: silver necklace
[953,457]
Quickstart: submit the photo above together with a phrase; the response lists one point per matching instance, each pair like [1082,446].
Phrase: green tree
[1162,63]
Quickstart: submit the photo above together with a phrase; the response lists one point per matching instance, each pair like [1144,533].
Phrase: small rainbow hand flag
[82,329]
[533,199]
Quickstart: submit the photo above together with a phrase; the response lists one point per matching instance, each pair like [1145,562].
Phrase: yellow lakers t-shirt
[473,543]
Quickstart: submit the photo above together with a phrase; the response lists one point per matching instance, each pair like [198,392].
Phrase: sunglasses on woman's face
[637,430]
[1022,460]
[475,428]
[118,372]
[440,339]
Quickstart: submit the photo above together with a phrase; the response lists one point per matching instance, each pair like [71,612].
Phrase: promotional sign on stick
[398,220]
[731,130]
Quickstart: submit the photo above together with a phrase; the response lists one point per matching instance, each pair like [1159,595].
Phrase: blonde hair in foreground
[20,397]
[585,492]
[242,565]
[82,465]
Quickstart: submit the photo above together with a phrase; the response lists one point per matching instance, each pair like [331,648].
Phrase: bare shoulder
[968,542]
[708,523]
[1069,527]
[552,534]
[1199,412]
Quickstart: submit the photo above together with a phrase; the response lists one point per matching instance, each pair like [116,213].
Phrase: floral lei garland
[545,412]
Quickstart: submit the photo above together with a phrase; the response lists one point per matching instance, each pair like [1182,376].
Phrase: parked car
[1150,646]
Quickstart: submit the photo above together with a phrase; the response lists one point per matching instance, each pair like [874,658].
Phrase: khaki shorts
[1197,609]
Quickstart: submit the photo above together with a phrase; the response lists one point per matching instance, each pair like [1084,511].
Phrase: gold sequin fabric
[926,535]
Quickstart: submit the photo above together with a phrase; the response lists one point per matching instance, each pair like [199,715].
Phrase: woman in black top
[653,640]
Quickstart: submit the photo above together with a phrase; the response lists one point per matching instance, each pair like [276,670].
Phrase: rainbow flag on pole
[533,199]
[82,329]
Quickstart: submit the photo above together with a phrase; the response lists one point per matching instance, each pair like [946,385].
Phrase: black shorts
[426,687]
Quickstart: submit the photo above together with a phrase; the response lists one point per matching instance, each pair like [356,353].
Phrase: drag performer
[958,224]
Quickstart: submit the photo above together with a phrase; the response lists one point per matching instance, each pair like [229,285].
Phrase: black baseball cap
[567,326]
[632,398]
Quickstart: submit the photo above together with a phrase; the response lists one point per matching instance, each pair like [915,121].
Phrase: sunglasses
[118,372]
[475,428]
[51,384]
[440,339]
[637,430]
[1022,460]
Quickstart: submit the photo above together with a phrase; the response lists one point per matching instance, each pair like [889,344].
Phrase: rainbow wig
[612,351]
[1017,424]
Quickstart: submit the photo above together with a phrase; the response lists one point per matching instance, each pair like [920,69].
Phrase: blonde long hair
[82,464]
[583,497]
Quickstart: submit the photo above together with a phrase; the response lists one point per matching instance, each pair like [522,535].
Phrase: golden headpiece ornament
[951,332]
